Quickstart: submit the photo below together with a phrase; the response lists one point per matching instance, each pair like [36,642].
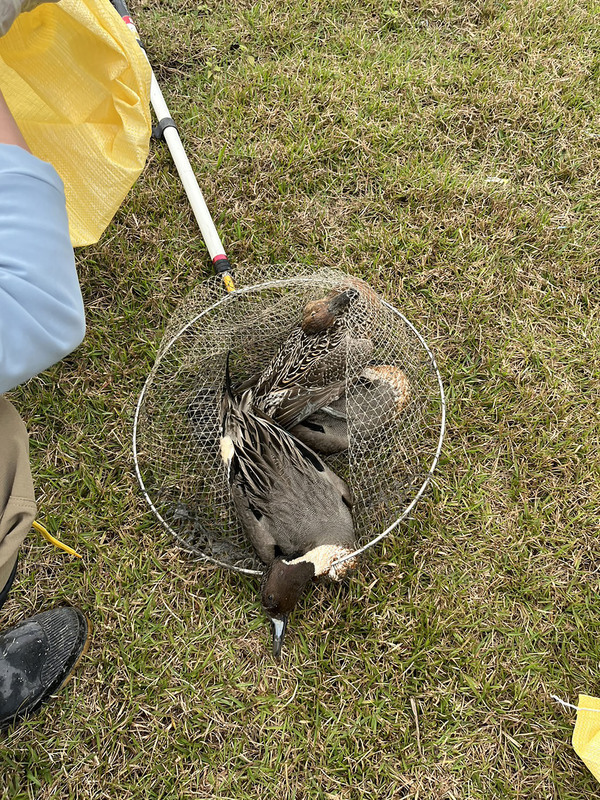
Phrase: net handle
[167,129]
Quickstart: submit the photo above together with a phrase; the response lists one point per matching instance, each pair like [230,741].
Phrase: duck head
[319,315]
[283,586]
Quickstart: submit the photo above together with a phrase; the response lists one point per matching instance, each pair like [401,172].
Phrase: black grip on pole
[121,7]
[221,265]
[158,131]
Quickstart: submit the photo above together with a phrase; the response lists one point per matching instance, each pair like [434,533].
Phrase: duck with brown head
[292,507]
[310,367]
[326,313]
[285,581]
[283,586]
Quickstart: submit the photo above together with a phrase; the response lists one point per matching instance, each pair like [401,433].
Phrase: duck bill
[279,626]
[340,303]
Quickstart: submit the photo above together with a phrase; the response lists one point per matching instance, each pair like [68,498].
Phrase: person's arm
[9,130]
[41,310]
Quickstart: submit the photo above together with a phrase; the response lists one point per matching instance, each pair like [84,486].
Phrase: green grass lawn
[448,152]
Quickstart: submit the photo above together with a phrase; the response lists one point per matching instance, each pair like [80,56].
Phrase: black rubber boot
[37,657]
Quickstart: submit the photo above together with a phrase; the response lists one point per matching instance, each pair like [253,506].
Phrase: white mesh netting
[387,462]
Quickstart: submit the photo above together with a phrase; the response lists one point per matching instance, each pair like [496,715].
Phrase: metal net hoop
[176,424]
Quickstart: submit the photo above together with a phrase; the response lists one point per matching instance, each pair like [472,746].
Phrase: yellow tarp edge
[78,84]
[586,734]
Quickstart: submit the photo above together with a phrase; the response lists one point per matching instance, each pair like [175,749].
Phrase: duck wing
[286,499]
[288,407]
[302,359]
[307,373]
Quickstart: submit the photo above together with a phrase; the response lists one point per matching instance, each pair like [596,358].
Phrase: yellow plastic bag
[78,85]
[586,734]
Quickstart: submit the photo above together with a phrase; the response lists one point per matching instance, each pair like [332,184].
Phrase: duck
[293,508]
[326,312]
[367,305]
[375,400]
[310,368]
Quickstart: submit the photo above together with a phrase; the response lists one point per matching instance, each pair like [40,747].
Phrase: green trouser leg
[17,500]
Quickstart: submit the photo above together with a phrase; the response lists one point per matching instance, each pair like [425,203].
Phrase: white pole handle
[168,130]
[186,173]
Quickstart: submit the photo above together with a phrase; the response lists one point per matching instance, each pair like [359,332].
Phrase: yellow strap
[228,282]
[40,529]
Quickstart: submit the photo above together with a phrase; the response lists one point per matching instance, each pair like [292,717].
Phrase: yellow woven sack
[78,85]
[586,735]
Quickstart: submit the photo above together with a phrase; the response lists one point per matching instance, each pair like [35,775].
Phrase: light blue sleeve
[41,309]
